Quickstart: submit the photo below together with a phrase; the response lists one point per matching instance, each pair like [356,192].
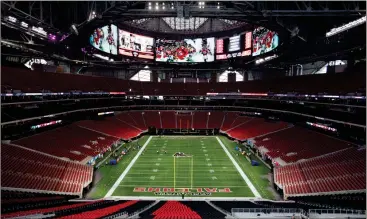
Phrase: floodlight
[345,27]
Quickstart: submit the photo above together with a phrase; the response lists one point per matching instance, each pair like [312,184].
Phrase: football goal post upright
[174,172]
[192,170]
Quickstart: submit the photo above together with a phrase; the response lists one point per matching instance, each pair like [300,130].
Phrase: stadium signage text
[180,191]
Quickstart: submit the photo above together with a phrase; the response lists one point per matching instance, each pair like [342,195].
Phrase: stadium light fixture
[149,3]
[345,27]
[201,4]
[12,19]
[261,60]
[156,7]
[39,30]
[24,24]
[150,7]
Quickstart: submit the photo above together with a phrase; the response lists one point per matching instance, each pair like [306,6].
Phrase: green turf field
[205,170]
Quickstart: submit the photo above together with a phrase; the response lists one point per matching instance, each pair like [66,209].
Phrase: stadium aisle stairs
[204,209]
[131,209]
[148,213]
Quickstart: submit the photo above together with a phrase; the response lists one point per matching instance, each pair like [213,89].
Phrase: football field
[199,166]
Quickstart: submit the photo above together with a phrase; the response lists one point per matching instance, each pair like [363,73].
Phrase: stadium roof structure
[302,25]
[58,16]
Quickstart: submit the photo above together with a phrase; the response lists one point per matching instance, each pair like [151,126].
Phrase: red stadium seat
[28,169]
[173,209]
[297,143]
[340,171]
[72,142]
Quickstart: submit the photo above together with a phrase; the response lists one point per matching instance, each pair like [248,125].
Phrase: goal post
[183,170]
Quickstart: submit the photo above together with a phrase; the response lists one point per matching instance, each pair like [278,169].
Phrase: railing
[136,213]
[334,211]
[266,210]
[118,215]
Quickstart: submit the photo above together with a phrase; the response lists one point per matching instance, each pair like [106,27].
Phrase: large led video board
[264,41]
[135,45]
[187,50]
[105,39]
[236,46]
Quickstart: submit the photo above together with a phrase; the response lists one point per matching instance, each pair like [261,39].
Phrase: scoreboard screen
[235,46]
[264,41]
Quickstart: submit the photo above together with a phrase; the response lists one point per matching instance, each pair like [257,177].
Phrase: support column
[245,76]
[154,76]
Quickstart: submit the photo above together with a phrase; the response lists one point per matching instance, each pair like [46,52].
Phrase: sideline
[109,155]
[247,180]
[122,176]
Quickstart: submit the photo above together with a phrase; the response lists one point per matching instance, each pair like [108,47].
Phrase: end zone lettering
[181,190]
[179,193]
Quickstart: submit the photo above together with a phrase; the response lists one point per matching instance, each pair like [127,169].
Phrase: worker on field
[165,151]
[157,152]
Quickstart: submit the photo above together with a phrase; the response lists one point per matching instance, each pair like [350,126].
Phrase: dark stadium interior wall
[120,73]
[342,113]
[11,132]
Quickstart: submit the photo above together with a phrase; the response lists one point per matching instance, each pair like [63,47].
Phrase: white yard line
[247,180]
[118,181]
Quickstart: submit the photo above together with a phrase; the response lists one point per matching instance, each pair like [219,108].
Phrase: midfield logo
[179,191]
